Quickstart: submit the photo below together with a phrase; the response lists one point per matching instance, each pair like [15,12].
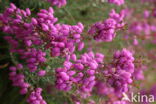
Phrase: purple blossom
[18,78]
[106,30]
[35,97]
[73,73]
[58,3]
[117,2]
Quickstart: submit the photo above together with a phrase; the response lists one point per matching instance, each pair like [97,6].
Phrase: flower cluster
[139,28]
[14,17]
[81,72]
[123,63]
[35,97]
[45,20]
[18,78]
[33,58]
[24,38]
[106,30]
[119,73]
[118,17]
[64,38]
[123,60]
[102,88]
[63,81]
[142,28]
[41,31]
[117,2]
[58,3]
[59,38]
[119,81]
[139,72]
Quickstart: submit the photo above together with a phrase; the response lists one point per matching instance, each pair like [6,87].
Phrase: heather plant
[58,57]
